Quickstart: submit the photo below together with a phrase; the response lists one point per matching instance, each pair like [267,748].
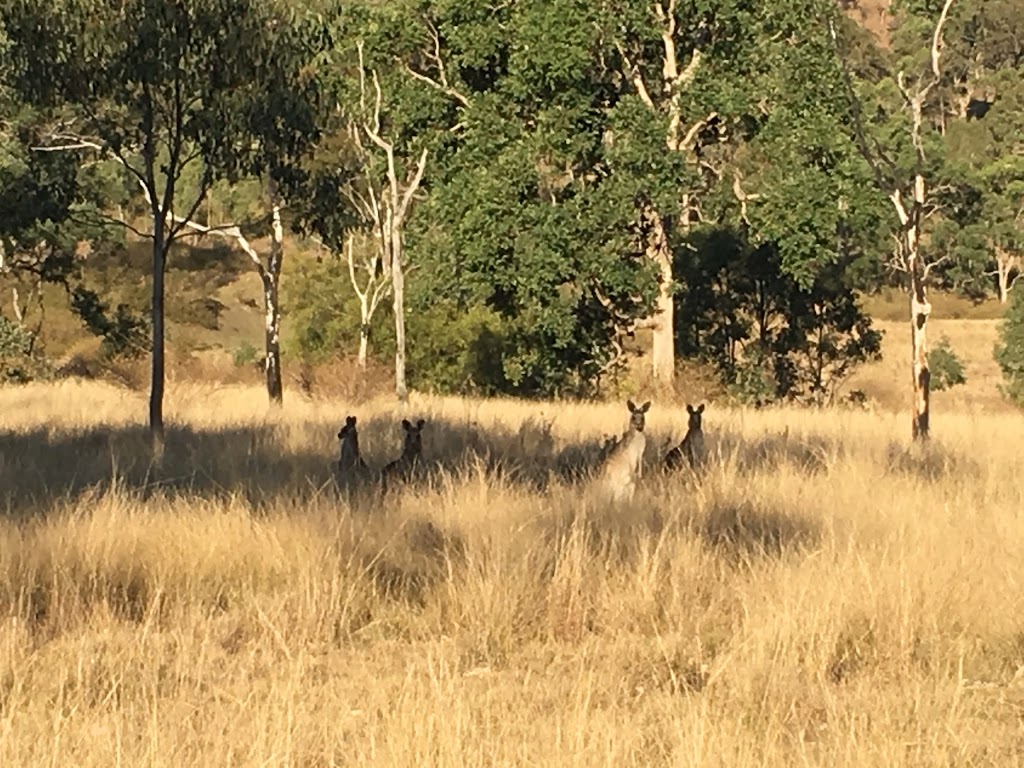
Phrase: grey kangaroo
[412,451]
[349,458]
[692,447]
[624,463]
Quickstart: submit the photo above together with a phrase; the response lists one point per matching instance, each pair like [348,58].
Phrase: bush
[125,335]
[946,368]
[19,363]
[453,350]
[1009,352]
[449,349]
[246,354]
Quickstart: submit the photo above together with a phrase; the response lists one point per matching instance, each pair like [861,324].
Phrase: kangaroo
[412,450]
[624,464]
[349,457]
[692,447]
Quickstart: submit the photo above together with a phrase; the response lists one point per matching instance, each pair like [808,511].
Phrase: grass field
[825,595]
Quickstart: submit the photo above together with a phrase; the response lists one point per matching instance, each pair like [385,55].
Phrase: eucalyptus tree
[898,123]
[163,89]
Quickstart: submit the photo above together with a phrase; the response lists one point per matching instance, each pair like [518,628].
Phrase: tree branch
[632,73]
[413,185]
[441,84]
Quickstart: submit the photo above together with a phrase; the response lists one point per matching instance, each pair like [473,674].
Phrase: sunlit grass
[825,595]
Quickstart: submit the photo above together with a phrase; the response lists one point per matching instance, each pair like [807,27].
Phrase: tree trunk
[662,322]
[272,335]
[271,283]
[156,391]
[1006,265]
[398,287]
[364,330]
[364,344]
[920,309]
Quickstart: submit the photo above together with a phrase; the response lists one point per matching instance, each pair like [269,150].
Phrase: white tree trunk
[271,278]
[1006,272]
[662,323]
[920,309]
[398,289]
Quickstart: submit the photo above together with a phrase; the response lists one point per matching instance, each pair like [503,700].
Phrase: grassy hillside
[215,308]
[823,597]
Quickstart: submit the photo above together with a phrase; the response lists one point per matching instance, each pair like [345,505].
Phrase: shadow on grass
[809,454]
[42,466]
[421,559]
[930,462]
[742,531]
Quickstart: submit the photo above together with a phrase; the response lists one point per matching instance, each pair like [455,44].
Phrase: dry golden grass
[823,597]
[887,381]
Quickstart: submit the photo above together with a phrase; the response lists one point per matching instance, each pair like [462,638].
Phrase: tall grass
[825,595]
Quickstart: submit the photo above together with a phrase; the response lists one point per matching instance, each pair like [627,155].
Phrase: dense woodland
[497,198]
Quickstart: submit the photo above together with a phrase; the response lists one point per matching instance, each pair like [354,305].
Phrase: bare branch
[413,185]
[937,40]
[741,196]
[695,129]
[929,266]
[632,73]
[441,84]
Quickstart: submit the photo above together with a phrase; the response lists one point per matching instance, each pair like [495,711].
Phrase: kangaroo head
[413,437]
[695,416]
[636,419]
[348,428]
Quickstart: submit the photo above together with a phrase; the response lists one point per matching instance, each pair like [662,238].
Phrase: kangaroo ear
[420,423]
[701,408]
[645,407]
[631,406]
[406,425]
[689,408]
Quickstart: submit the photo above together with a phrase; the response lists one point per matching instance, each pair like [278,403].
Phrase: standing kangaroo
[692,447]
[624,464]
[412,450]
[350,460]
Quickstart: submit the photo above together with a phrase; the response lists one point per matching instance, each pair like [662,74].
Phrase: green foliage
[1009,352]
[19,360]
[124,334]
[947,369]
[456,350]
[769,336]
[322,313]
[452,349]
[752,382]
[245,355]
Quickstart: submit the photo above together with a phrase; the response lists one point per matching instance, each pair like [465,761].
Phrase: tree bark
[1006,265]
[156,390]
[662,323]
[920,309]
[398,290]
[271,282]
[364,339]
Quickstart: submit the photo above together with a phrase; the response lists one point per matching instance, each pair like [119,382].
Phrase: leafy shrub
[752,380]
[125,335]
[449,348]
[1009,352]
[19,362]
[245,354]
[947,370]
[453,350]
